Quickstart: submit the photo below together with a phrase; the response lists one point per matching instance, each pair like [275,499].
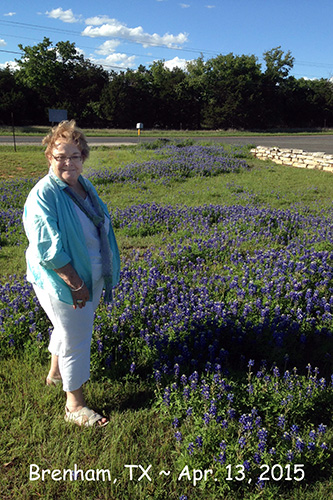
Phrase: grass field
[226,261]
[107,132]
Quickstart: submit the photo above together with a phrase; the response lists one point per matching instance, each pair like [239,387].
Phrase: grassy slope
[32,427]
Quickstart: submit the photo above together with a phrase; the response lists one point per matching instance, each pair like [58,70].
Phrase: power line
[329,67]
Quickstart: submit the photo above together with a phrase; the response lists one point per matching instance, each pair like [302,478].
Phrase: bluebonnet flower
[190,448]
[222,458]
[281,421]
[246,465]
[178,436]
[262,434]
[206,418]
[224,424]
[290,456]
[231,413]
[132,367]
[300,445]
[166,396]
[260,483]
[186,392]
[199,441]
[322,383]
[312,434]
[223,445]
[242,441]
[175,422]
[322,429]
[294,429]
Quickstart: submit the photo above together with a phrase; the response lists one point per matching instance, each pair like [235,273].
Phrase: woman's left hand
[80,297]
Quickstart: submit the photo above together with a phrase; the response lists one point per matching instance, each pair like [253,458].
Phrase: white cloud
[11,64]
[2,42]
[111,28]
[184,5]
[107,47]
[176,62]
[115,61]
[66,16]
[10,14]
[98,20]
[210,6]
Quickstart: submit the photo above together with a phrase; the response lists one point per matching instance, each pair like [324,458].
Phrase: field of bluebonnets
[225,309]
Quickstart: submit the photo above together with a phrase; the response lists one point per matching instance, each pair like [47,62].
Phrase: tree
[276,83]
[278,64]
[232,92]
[62,78]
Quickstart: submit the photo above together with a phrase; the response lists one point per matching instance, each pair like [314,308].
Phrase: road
[313,143]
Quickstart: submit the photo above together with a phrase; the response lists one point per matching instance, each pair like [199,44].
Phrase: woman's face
[66,162]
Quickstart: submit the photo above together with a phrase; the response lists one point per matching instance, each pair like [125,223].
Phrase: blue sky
[125,33]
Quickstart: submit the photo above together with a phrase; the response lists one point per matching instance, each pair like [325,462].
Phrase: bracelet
[77,289]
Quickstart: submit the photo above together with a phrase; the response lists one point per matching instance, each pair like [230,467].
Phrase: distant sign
[57,115]
[139,125]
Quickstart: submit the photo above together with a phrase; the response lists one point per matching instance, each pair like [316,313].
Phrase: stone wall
[295,158]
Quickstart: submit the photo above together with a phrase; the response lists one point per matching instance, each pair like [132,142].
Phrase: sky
[121,34]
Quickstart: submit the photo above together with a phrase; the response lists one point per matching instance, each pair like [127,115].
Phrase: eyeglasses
[61,159]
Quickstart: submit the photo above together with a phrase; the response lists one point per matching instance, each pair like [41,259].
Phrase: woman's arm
[77,286]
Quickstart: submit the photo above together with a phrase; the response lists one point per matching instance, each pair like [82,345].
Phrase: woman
[72,255]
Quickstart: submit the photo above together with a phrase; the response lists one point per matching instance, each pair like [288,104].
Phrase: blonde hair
[66,131]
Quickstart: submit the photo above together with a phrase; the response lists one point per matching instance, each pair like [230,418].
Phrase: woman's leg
[54,373]
[75,402]
[71,338]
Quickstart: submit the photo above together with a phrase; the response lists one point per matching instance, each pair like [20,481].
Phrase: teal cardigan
[56,238]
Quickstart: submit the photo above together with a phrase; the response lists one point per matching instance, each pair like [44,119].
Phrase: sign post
[139,126]
[57,115]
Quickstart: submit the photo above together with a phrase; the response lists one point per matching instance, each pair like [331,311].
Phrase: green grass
[33,430]
[106,132]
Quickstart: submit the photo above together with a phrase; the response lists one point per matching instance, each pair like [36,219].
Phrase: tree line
[226,91]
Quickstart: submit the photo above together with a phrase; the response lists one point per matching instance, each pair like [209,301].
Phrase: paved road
[312,143]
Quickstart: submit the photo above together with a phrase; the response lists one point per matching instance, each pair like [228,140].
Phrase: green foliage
[286,415]
[227,91]
[253,430]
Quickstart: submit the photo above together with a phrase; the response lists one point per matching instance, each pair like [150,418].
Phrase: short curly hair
[66,131]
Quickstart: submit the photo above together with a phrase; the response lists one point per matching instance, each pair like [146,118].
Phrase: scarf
[97,217]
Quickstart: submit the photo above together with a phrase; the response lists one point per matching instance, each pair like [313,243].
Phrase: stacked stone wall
[295,158]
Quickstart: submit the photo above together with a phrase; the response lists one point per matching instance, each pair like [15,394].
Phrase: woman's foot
[54,376]
[85,417]
[53,379]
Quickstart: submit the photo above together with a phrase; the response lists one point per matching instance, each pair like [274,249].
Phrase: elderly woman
[72,255]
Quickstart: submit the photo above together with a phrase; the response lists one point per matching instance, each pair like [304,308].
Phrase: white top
[91,235]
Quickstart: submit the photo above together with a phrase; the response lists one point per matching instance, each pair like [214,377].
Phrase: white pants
[71,337]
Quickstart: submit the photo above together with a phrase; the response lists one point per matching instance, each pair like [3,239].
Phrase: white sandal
[53,381]
[85,417]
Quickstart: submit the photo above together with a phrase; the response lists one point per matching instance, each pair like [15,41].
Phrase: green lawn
[138,444]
